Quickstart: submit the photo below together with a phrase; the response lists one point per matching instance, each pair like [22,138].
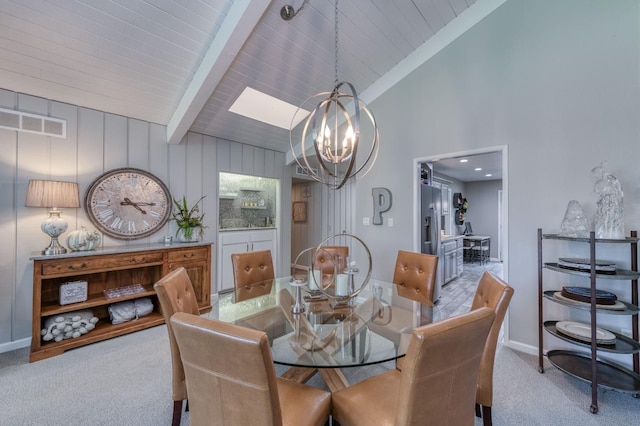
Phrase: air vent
[303,171]
[32,123]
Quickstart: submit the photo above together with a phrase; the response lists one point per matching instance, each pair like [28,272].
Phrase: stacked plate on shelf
[582,332]
[582,296]
[584,265]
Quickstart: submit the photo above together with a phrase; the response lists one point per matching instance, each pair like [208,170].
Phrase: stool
[467,252]
[481,252]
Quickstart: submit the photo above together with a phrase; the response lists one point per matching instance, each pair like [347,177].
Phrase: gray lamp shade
[51,193]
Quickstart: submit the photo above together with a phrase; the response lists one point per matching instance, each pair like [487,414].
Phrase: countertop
[450,237]
[117,250]
[255,228]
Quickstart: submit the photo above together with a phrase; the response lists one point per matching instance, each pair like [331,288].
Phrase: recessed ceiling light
[464,160]
[477,169]
[267,109]
[488,175]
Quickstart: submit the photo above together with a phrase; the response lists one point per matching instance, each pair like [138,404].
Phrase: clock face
[128,203]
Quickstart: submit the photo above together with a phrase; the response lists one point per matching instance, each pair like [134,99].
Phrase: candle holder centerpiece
[347,281]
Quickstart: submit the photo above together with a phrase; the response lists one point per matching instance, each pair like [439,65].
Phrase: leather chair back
[415,276]
[493,293]
[232,380]
[328,256]
[250,269]
[439,376]
[175,294]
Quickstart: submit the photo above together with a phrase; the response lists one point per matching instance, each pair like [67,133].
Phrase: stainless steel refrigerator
[430,225]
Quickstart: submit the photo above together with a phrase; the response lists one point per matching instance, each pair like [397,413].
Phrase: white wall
[555,81]
[97,142]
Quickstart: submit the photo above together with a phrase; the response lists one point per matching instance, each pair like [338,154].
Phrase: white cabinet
[451,259]
[446,199]
[446,195]
[241,242]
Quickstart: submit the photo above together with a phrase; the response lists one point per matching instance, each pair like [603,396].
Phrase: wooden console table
[111,268]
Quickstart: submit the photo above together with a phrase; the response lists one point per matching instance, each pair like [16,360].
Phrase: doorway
[458,167]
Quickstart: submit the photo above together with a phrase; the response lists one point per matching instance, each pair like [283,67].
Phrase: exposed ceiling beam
[234,32]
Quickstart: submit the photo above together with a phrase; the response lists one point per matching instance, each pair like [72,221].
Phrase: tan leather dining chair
[415,275]
[175,294]
[328,256]
[436,386]
[249,269]
[415,278]
[232,381]
[495,294]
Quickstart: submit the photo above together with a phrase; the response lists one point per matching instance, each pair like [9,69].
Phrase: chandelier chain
[302,7]
[336,43]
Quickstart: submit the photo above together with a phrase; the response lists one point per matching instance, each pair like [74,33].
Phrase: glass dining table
[330,334]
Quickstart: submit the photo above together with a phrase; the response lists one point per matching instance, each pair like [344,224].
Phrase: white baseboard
[522,347]
[16,344]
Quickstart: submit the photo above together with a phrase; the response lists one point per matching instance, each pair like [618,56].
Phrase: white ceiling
[182,63]
[490,163]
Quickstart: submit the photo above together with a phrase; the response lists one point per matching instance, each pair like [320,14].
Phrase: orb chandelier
[331,136]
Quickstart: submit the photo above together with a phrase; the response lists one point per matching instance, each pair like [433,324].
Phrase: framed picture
[299,211]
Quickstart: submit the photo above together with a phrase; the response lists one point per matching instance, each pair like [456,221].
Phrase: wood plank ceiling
[182,63]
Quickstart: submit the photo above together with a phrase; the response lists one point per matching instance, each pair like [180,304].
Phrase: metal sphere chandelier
[332,133]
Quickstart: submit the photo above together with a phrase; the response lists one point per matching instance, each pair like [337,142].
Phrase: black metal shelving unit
[589,366]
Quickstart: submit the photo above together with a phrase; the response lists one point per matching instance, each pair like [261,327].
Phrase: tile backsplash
[247,201]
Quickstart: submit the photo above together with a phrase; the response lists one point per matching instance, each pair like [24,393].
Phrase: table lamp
[53,194]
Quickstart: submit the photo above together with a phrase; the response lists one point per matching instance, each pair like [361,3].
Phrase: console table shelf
[108,269]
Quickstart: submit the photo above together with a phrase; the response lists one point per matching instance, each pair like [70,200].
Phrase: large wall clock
[128,203]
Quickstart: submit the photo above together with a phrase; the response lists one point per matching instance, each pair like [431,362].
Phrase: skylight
[267,109]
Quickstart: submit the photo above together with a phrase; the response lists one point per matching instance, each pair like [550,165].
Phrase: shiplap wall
[97,142]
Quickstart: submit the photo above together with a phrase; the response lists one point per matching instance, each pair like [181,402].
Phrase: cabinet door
[452,263]
[241,242]
[446,199]
[196,262]
[226,267]
[460,261]
[265,240]
[199,275]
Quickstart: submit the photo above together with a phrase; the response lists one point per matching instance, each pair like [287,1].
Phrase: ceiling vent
[303,171]
[32,123]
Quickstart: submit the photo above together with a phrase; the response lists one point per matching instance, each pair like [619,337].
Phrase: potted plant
[189,220]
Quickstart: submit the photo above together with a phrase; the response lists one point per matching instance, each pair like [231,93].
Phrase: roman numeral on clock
[117,223]
[105,214]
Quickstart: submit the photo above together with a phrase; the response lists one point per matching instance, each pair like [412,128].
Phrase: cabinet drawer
[449,246]
[234,237]
[262,235]
[99,262]
[460,242]
[188,255]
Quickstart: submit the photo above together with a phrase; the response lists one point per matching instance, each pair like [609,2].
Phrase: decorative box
[73,292]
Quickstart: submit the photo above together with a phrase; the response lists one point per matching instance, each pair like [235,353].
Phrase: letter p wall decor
[381,203]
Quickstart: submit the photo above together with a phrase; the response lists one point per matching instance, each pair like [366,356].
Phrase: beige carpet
[127,381]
